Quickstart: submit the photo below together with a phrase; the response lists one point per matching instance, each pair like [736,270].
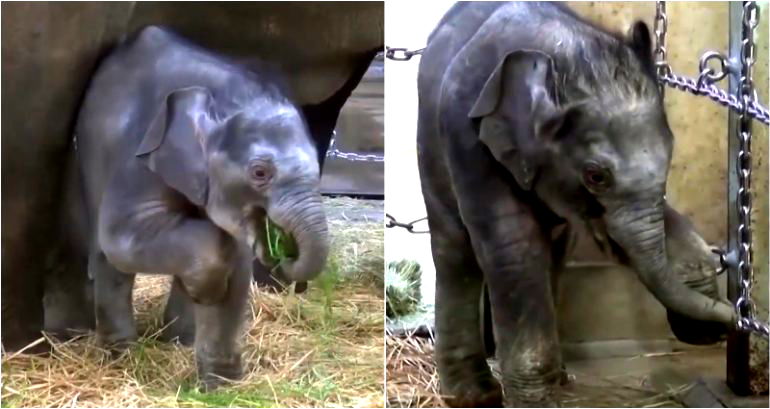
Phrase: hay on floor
[412,382]
[323,348]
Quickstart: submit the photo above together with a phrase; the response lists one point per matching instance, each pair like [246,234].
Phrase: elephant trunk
[639,229]
[692,261]
[302,216]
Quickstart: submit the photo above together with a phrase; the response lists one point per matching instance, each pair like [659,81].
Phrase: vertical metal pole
[737,341]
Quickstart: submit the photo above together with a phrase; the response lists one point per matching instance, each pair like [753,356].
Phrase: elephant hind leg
[179,316]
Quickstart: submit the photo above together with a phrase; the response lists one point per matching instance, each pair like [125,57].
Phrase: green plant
[280,246]
[402,288]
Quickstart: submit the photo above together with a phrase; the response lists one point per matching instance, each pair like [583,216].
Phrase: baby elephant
[530,118]
[185,157]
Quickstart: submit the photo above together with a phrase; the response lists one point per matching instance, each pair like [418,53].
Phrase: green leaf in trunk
[280,246]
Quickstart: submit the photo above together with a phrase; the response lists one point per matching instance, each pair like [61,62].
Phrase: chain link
[704,84]
[401,54]
[333,152]
[659,54]
[744,306]
[392,222]
[703,87]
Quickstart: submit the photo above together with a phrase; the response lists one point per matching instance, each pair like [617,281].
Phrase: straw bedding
[413,382]
[322,348]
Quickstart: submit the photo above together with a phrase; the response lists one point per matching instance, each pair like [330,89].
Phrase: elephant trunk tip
[309,230]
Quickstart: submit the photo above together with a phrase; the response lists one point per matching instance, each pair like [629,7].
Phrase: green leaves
[280,246]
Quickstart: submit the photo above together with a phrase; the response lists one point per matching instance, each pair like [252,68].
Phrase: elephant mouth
[272,245]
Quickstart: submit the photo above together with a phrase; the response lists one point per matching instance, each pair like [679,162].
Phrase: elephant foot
[485,393]
[66,334]
[534,391]
[14,342]
[215,371]
[116,343]
[64,323]
[180,334]
[476,399]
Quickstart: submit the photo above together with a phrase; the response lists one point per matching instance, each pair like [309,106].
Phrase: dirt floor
[649,380]
[323,348]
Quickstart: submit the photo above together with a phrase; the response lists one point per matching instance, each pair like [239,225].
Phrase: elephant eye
[261,173]
[596,178]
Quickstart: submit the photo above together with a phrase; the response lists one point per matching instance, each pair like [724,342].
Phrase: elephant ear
[517,112]
[639,39]
[174,145]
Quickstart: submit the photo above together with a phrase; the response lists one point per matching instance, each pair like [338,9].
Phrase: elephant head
[591,139]
[242,165]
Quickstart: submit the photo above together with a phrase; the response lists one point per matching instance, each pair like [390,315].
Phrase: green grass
[280,246]
[225,398]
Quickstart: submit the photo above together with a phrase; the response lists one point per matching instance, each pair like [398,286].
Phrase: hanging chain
[744,306]
[704,85]
[401,54]
[333,152]
[659,54]
[392,222]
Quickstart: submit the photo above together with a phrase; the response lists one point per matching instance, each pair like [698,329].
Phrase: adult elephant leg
[69,291]
[179,316]
[113,290]
[217,327]
[69,299]
[466,379]
[322,117]
[22,305]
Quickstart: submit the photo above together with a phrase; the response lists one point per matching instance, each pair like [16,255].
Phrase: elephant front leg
[525,324]
[515,255]
[217,327]
[528,347]
[208,266]
[466,380]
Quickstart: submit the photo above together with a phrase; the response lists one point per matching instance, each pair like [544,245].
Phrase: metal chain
[744,306]
[333,152]
[659,54]
[704,84]
[401,54]
[716,94]
[392,222]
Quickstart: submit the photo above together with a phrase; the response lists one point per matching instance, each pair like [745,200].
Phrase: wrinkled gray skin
[183,155]
[520,133]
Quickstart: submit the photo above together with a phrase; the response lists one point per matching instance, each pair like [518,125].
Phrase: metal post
[738,342]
